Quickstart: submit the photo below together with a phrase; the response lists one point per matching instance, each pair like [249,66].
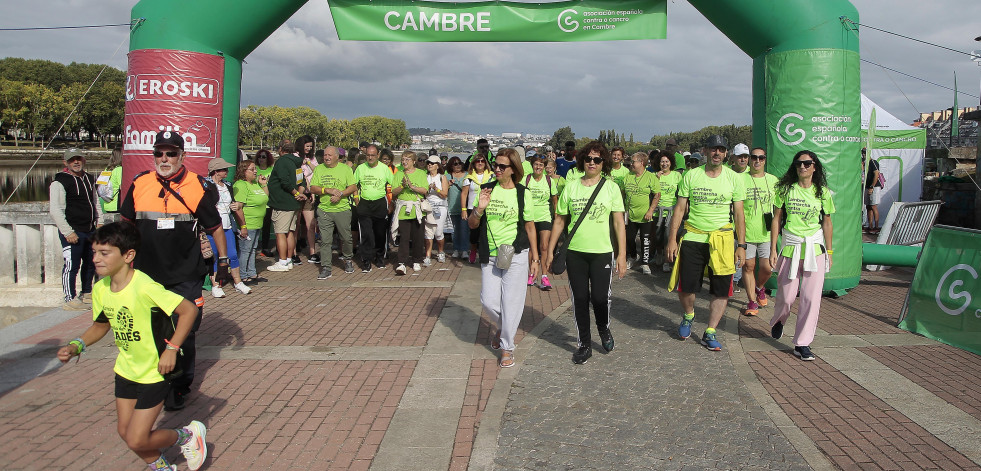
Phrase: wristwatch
[222,259]
[741,246]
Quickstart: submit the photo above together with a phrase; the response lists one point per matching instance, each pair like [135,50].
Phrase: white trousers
[502,292]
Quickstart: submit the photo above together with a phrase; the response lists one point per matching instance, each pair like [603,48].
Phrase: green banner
[899,139]
[813,102]
[422,21]
[944,301]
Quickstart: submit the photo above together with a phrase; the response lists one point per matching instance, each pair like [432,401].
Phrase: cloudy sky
[696,77]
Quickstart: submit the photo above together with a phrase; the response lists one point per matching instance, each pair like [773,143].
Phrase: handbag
[505,253]
[562,244]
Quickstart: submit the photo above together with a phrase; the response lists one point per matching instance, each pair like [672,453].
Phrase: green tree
[13,107]
[560,136]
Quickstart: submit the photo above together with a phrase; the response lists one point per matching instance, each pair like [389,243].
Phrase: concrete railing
[30,256]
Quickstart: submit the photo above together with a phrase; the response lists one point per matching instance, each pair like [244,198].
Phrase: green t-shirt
[573,174]
[710,199]
[560,183]
[638,192]
[502,216]
[526,167]
[759,201]
[593,235]
[618,175]
[115,177]
[255,202]
[418,179]
[679,160]
[129,312]
[264,172]
[372,180]
[541,195]
[669,188]
[803,210]
[337,178]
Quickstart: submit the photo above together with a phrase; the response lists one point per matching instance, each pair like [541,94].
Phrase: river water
[35,187]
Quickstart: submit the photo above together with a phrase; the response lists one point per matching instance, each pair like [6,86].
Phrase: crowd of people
[522,214]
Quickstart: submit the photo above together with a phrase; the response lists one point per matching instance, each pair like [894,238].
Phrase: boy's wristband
[79,344]
[171,346]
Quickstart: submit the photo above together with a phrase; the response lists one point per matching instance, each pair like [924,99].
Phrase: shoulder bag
[562,245]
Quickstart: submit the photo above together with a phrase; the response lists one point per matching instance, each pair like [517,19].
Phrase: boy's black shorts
[147,396]
[694,259]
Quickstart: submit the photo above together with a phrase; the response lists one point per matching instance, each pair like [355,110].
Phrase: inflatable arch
[185,72]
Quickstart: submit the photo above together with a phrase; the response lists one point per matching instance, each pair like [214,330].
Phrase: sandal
[507,359]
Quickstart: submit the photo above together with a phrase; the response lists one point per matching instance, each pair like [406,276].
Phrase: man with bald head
[333,185]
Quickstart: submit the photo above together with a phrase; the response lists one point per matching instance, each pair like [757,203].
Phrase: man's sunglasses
[757,157]
[170,153]
[804,163]
[595,160]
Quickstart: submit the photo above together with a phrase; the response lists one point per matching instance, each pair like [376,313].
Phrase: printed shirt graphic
[759,200]
[372,180]
[638,191]
[669,188]
[541,193]
[338,178]
[255,199]
[129,314]
[418,179]
[502,216]
[710,199]
[593,235]
[804,212]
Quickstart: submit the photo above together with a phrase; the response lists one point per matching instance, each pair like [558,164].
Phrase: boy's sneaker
[416,267]
[777,330]
[546,286]
[645,269]
[217,292]
[752,309]
[427,261]
[278,266]
[240,286]
[804,353]
[349,266]
[324,273]
[400,270]
[314,258]
[606,337]
[684,330]
[531,280]
[761,296]
[441,257]
[581,355]
[195,451]
[711,342]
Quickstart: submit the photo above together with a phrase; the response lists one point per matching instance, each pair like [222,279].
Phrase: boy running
[136,308]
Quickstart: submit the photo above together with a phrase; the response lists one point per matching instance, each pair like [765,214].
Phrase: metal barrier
[907,224]
[30,256]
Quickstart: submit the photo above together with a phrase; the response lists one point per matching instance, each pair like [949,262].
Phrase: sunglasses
[432,163]
[804,163]
[595,160]
[757,157]
[169,153]
[502,167]
[480,161]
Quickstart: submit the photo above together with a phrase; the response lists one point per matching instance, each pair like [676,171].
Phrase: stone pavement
[382,372]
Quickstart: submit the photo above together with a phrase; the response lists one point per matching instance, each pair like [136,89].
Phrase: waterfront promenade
[374,371]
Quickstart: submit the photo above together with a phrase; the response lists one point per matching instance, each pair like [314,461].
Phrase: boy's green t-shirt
[418,179]
[669,188]
[372,180]
[130,313]
[593,235]
[254,198]
[710,199]
[638,192]
[803,210]
[541,195]
[759,201]
[337,178]
[502,216]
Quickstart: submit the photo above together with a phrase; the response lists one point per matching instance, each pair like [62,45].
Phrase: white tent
[899,148]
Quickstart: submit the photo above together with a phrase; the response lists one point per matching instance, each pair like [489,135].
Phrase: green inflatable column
[806,95]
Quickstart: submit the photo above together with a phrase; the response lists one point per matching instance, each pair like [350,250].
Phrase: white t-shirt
[433,198]
[224,205]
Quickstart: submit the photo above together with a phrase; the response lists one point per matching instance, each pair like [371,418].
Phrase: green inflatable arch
[806,86]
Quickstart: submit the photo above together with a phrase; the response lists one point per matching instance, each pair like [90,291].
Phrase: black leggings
[372,229]
[413,234]
[645,240]
[590,276]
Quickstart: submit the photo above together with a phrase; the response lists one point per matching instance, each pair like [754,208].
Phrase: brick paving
[483,374]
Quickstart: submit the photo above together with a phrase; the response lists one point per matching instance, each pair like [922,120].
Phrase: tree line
[266,126]
[686,140]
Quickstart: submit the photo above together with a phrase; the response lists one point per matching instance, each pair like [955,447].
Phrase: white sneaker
[426,261]
[242,288]
[217,292]
[289,264]
[278,266]
[456,254]
[400,270]
[196,449]
[645,269]
[416,267]
[441,257]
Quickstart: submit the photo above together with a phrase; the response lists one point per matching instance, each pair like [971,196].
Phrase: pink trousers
[810,283]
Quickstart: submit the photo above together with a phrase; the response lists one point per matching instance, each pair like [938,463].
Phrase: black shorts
[543,226]
[694,261]
[147,396]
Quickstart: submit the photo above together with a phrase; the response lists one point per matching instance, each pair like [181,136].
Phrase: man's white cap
[740,149]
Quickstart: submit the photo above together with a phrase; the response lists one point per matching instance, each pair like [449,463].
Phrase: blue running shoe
[684,330]
[711,342]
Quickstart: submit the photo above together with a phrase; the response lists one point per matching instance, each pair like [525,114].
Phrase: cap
[169,138]
[686,153]
[531,153]
[444,154]
[73,152]
[671,142]
[740,149]
[434,159]
[218,163]
[716,140]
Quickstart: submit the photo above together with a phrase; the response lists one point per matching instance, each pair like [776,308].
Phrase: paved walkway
[383,372]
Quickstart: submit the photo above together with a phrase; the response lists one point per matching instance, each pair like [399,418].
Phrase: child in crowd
[138,310]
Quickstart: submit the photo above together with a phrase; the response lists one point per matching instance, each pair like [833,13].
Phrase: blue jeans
[461,234]
[246,253]
[229,246]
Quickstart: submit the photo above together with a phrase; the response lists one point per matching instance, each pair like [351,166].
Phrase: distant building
[938,126]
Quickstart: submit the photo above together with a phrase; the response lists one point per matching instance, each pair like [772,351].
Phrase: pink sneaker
[473,256]
[752,309]
[761,296]
[531,280]
[546,286]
